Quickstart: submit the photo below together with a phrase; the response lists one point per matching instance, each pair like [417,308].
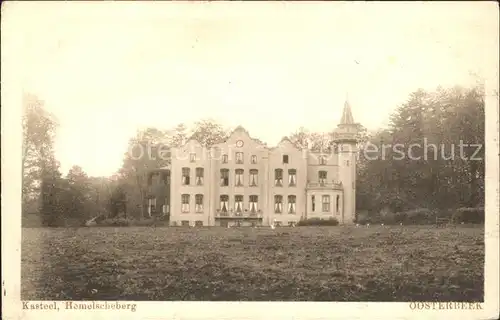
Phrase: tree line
[442,118]
[445,168]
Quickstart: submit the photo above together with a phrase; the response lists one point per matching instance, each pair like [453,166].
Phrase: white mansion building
[243,182]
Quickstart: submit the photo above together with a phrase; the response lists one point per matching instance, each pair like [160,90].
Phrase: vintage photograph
[213,151]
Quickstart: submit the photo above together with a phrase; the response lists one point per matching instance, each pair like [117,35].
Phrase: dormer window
[192,157]
[285,159]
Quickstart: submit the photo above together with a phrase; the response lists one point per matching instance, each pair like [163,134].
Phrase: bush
[418,216]
[364,220]
[126,222]
[116,222]
[422,216]
[410,217]
[31,220]
[318,222]
[469,215]
[150,222]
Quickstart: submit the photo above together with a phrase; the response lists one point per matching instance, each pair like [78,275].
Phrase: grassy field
[378,263]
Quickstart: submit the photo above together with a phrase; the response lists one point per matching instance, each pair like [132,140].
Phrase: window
[224,203]
[277,223]
[292,223]
[253,203]
[164,154]
[337,203]
[238,178]
[185,176]
[292,177]
[151,205]
[185,203]
[198,203]
[185,223]
[199,176]
[166,178]
[322,160]
[253,177]
[322,177]
[285,158]
[291,204]
[154,179]
[198,223]
[166,207]
[192,157]
[278,204]
[239,157]
[224,158]
[326,203]
[238,203]
[253,159]
[224,177]
[278,177]
[313,203]
[224,223]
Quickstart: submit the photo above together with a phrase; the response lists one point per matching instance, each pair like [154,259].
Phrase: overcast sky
[107,69]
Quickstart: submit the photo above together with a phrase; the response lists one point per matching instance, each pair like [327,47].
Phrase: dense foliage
[318,222]
[437,173]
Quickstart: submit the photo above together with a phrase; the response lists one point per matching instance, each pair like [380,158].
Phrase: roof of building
[347,117]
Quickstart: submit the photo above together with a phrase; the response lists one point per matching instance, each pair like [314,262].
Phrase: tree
[178,135]
[100,189]
[39,129]
[52,206]
[118,202]
[428,175]
[314,141]
[78,194]
[208,132]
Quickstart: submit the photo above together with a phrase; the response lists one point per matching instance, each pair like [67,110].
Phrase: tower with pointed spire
[346,139]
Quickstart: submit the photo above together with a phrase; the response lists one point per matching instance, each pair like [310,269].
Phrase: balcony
[238,215]
[345,136]
[330,185]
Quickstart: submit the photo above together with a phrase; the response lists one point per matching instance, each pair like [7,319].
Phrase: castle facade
[243,182]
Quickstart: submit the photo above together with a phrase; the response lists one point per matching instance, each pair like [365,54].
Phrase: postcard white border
[11,219]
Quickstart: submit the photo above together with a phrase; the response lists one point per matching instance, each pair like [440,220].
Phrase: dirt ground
[380,263]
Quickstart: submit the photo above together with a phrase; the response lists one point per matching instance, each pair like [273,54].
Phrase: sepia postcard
[250,160]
